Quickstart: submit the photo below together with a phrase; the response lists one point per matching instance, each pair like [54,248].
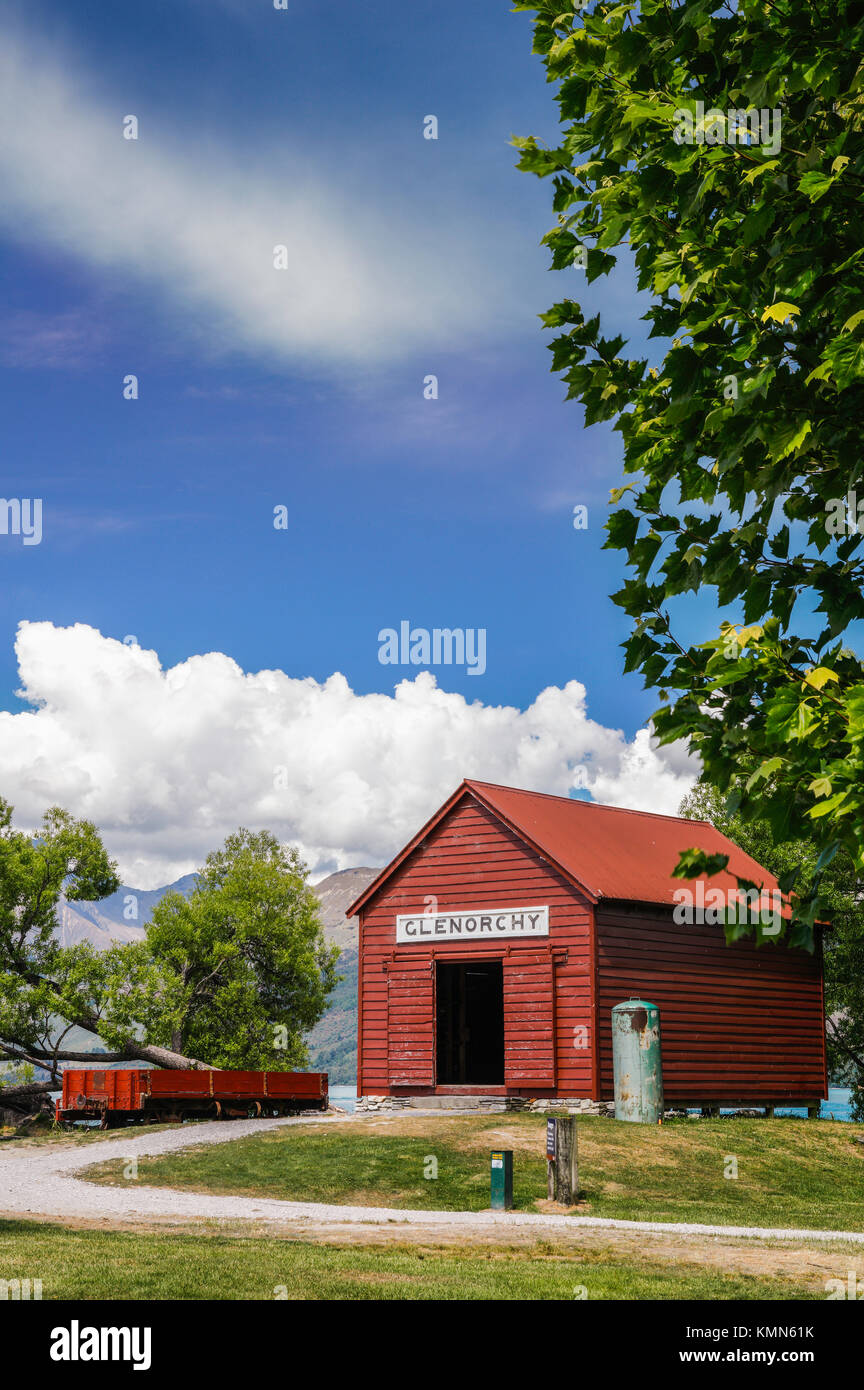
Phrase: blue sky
[304,388]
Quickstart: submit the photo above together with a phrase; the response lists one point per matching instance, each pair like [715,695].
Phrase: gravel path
[43,1182]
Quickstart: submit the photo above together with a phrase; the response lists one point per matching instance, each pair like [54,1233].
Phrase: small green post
[502,1179]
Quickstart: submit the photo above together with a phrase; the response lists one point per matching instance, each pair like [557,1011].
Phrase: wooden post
[562,1170]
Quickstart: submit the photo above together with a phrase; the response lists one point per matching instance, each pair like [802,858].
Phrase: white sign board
[483,924]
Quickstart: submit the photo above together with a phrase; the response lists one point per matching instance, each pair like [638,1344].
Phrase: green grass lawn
[108,1265]
[790,1172]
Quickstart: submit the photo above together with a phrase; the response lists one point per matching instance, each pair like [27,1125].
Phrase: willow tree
[721,150]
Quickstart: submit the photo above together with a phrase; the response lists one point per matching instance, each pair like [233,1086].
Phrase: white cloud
[371,275]
[168,762]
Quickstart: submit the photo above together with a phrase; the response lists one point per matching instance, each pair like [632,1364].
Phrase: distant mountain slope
[336,893]
[332,1042]
[122,917]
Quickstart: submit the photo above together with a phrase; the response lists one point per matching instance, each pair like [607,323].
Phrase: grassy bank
[103,1265]
[789,1172]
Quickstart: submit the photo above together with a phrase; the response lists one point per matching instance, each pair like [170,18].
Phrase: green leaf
[827,857]
[815,185]
[820,786]
[780,312]
[825,808]
[761,169]
[820,676]
[820,373]
[763,772]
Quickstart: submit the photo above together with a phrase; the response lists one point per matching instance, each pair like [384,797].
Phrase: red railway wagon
[115,1097]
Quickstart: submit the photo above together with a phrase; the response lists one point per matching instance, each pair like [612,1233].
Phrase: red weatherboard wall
[471,860]
[738,1024]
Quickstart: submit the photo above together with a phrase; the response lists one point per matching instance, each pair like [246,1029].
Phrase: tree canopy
[843,943]
[721,149]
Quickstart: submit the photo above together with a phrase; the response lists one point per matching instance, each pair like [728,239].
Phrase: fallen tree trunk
[130,1052]
[32,1090]
[21,1104]
[164,1057]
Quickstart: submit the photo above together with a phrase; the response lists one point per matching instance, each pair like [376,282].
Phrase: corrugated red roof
[610,851]
[615,852]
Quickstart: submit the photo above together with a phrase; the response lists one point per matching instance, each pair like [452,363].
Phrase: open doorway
[470,1023]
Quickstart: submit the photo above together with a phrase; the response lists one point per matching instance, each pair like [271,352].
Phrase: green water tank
[637,1063]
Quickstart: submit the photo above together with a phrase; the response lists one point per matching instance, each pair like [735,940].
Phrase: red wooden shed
[494,946]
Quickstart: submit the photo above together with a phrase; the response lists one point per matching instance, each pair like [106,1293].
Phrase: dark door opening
[470,1023]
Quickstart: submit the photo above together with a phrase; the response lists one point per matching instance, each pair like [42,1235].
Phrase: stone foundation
[570,1105]
[367,1105]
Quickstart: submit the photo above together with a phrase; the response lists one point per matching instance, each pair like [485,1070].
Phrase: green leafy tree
[721,148]
[244,968]
[842,892]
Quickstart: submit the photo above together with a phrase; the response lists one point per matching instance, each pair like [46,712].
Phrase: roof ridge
[599,805]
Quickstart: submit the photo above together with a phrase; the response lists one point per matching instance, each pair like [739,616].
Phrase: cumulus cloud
[368,276]
[167,762]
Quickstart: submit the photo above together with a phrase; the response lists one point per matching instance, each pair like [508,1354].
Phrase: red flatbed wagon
[117,1096]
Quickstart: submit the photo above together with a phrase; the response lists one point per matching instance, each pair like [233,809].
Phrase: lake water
[838,1106]
[344,1096]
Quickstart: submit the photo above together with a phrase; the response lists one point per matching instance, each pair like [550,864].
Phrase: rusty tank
[637,1063]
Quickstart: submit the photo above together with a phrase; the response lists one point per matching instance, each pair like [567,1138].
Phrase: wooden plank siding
[738,1025]
[411,1006]
[469,860]
[529,1020]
